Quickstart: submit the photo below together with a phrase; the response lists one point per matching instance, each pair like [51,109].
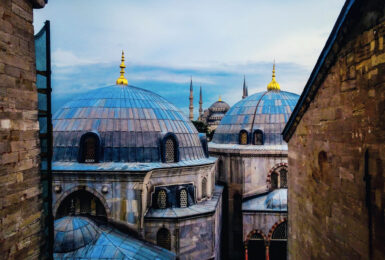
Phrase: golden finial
[220,99]
[273,85]
[122,80]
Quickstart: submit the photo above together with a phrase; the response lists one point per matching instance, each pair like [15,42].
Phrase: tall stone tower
[200,105]
[245,90]
[191,107]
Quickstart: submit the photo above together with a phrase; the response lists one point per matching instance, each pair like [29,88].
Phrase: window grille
[280,232]
[258,137]
[283,178]
[90,149]
[183,198]
[170,150]
[204,188]
[162,199]
[274,180]
[243,139]
[163,238]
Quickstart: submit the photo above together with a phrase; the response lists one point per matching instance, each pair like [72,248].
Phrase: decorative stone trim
[253,232]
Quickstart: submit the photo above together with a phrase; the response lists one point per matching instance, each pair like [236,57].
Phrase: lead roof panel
[269,111]
[116,110]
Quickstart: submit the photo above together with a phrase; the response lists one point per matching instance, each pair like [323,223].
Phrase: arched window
[256,246]
[278,242]
[280,232]
[258,137]
[183,198]
[243,137]
[81,202]
[163,238]
[89,149]
[162,199]
[204,188]
[278,178]
[274,180]
[170,148]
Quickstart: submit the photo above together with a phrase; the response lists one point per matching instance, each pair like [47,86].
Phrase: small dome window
[183,202]
[170,148]
[162,199]
[89,148]
[243,137]
[204,188]
[163,238]
[258,137]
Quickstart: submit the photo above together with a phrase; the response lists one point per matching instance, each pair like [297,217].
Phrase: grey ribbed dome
[219,106]
[72,233]
[267,111]
[130,122]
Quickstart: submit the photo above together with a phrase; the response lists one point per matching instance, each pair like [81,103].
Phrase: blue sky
[165,42]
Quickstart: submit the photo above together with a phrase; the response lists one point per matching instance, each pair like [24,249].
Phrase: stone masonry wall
[20,202]
[328,214]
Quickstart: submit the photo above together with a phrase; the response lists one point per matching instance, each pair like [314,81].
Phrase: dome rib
[255,111]
[268,111]
[130,122]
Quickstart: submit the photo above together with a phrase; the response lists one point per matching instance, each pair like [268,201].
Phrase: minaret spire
[200,105]
[191,107]
[122,80]
[245,90]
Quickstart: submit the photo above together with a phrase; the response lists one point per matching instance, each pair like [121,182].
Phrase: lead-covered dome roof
[219,106]
[129,121]
[72,233]
[267,111]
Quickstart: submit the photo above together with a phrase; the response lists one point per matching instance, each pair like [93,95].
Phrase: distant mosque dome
[219,106]
[261,116]
[214,114]
[72,233]
[127,123]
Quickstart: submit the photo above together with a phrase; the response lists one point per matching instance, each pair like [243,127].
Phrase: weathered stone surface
[328,213]
[20,194]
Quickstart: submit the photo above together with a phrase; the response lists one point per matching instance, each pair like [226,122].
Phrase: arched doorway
[256,247]
[82,203]
[278,242]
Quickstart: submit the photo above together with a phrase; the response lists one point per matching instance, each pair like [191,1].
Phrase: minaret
[191,107]
[200,105]
[245,90]
[122,80]
[273,85]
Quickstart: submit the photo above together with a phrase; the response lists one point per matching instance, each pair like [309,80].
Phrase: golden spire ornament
[220,99]
[273,85]
[122,80]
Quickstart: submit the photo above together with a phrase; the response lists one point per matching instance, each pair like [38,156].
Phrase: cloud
[66,58]
[190,33]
